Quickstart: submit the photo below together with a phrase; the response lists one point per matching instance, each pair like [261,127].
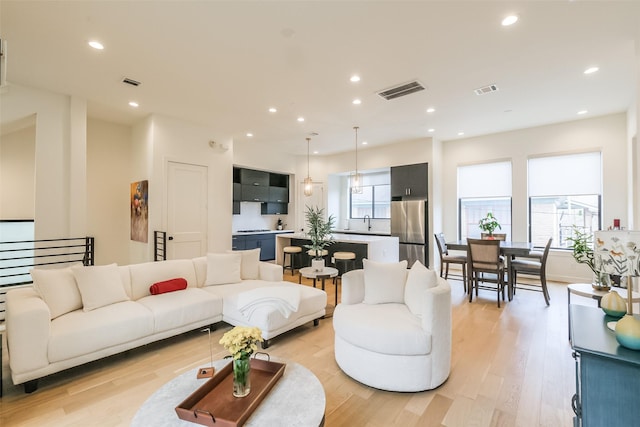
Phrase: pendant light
[308,182]
[356,178]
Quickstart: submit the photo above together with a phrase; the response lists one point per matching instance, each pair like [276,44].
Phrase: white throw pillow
[419,279]
[223,269]
[58,288]
[99,286]
[384,282]
[249,264]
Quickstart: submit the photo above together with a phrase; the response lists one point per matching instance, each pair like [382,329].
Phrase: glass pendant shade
[308,182]
[308,186]
[355,182]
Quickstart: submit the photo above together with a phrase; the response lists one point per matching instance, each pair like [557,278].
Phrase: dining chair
[534,266]
[484,257]
[446,259]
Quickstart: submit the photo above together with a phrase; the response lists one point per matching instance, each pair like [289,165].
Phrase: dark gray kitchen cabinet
[409,182]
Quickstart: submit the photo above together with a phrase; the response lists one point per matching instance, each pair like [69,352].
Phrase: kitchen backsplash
[250,218]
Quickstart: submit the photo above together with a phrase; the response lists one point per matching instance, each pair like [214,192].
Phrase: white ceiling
[223,64]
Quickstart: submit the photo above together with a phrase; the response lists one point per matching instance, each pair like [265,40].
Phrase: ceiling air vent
[486,89]
[401,90]
[131,82]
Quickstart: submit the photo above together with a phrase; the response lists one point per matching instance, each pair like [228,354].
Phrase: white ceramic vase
[317,264]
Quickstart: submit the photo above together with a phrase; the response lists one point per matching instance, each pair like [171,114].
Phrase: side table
[326,273]
[586,290]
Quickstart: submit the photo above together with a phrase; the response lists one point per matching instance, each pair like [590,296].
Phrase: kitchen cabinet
[255,193]
[270,189]
[254,177]
[607,385]
[271,208]
[266,242]
[278,194]
[409,181]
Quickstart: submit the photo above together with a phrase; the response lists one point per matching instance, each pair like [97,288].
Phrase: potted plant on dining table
[488,224]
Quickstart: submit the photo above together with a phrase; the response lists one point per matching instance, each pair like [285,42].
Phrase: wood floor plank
[511,366]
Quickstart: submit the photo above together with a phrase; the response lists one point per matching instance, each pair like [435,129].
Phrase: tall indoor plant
[582,246]
[488,224]
[319,231]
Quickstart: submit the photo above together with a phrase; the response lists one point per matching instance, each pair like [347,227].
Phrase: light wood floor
[510,367]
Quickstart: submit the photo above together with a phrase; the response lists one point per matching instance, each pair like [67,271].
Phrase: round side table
[326,273]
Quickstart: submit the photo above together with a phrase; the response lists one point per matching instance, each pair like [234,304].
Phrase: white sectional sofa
[78,314]
[393,327]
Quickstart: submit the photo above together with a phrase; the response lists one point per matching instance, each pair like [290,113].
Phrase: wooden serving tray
[214,405]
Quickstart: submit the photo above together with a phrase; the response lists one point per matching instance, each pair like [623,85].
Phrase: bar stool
[344,261]
[293,252]
[323,253]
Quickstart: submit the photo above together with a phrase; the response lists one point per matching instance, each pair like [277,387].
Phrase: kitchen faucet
[367,217]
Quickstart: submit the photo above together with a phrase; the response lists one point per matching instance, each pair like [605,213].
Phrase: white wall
[178,141]
[606,133]
[17,172]
[56,119]
[108,166]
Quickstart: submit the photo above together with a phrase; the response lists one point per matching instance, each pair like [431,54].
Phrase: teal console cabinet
[607,374]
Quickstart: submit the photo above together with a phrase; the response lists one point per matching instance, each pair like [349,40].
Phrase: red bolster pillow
[168,286]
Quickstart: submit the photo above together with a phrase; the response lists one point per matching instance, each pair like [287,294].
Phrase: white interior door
[315,199]
[186,210]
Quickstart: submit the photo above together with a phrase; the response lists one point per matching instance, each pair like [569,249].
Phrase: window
[564,191]
[484,188]
[375,199]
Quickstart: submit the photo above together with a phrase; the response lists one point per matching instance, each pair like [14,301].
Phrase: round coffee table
[297,399]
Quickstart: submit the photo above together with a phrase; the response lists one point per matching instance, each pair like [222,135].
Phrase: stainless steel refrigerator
[409,222]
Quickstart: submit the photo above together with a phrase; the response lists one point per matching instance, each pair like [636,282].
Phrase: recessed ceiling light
[581,112]
[591,70]
[357,102]
[96,45]
[431,110]
[315,152]
[134,104]
[355,78]
[365,143]
[431,130]
[273,110]
[460,133]
[301,119]
[509,20]
[249,134]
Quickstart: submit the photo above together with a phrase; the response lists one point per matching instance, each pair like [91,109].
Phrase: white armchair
[393,327]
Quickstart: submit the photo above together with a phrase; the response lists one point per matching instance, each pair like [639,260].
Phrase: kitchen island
[372,247]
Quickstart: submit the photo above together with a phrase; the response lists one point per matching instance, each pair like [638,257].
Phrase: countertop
[363,232]
[250,233]
[342,237]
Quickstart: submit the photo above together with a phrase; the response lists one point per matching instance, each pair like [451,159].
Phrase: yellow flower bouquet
[241,341]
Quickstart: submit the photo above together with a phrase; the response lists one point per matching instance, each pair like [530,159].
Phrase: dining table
[508,249]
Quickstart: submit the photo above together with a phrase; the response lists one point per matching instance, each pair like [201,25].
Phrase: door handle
[170,238]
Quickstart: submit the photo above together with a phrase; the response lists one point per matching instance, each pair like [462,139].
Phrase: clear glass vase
[241,377]
[601,281]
